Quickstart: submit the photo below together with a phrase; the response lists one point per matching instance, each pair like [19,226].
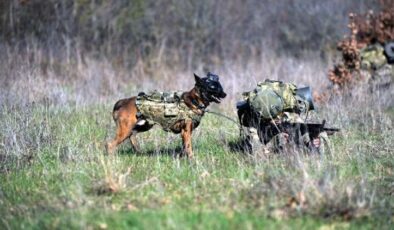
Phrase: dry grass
[54,121]
[55,116]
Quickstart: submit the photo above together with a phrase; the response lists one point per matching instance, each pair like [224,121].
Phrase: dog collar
[202,96]
[198,105]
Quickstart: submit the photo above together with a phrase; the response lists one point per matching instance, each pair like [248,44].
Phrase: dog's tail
[115,113]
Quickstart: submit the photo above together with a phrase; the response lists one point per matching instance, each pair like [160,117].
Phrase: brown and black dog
[129,122]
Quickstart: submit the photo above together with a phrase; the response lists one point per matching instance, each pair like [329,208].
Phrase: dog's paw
[109,149]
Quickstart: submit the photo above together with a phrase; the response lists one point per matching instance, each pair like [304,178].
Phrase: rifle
[269,130]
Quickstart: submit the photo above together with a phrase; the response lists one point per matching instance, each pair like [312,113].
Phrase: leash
[225,116]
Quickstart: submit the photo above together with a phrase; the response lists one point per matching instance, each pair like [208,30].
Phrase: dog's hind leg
[124,115]
[123,131]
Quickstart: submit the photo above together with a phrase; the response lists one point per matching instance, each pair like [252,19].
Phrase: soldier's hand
[316,142]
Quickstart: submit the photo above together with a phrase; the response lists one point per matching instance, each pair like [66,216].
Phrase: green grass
[55,174]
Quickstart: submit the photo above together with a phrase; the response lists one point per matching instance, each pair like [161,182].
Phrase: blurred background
[88,51]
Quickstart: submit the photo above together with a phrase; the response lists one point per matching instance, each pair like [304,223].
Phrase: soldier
[274,113]
[377,64]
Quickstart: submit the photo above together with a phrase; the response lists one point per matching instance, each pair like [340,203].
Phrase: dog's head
[210,88]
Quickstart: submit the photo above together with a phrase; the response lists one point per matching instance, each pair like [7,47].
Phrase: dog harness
[165,109]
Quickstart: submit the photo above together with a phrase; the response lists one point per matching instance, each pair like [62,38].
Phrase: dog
[130,121]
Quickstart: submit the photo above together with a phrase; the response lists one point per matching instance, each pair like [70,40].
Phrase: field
[55,174]
[57,95]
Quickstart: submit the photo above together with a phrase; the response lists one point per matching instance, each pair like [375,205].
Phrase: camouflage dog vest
[165,109]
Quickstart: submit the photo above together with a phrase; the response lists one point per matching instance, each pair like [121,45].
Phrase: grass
[54,174]
[56,97]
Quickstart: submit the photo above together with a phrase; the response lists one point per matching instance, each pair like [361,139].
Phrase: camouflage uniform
[278,102]
[165,109]
[280,142]
[375,66]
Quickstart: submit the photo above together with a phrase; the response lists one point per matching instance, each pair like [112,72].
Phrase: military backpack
[272,98]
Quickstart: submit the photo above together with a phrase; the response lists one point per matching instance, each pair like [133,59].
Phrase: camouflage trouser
[282,142]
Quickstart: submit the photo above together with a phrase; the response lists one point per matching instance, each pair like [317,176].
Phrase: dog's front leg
[187,138]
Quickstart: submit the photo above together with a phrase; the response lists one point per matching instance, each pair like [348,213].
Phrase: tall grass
[55,116]
[54,173]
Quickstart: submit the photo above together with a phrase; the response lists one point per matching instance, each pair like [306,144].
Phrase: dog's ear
[197,78]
